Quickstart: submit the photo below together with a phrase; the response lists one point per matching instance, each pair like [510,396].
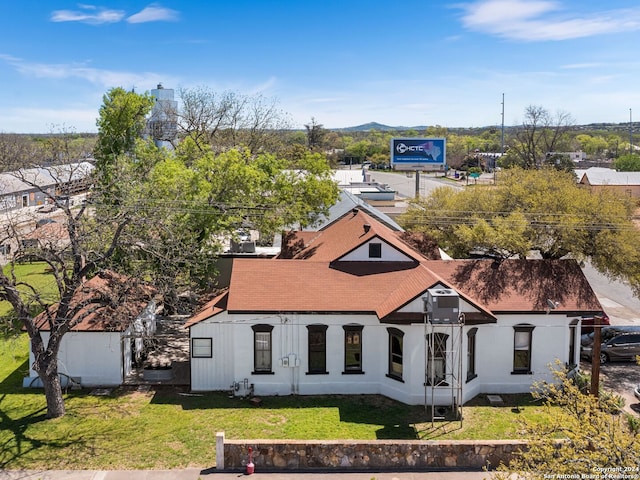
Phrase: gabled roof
[319,280]
[345,204]
[107,302]
[607,176]
[342,237]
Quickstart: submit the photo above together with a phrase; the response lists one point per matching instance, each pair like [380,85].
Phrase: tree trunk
[48,373]
[53,394]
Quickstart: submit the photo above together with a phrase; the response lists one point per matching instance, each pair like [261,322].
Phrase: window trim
[573,343]
[317,328]
[353,328]
[399,334]
[525,328]
[471,354]
[262,328]
[209,347]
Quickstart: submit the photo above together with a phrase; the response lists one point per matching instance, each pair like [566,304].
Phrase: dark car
[617,343]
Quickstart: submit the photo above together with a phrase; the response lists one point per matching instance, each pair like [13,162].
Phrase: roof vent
[367,227]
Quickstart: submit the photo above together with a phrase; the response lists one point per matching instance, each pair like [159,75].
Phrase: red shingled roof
[520,285]
[107,302]
[317,280]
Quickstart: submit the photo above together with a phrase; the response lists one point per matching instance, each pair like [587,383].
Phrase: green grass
[167,429]
[36,275]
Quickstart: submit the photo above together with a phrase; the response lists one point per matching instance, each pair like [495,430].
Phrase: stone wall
[396,455]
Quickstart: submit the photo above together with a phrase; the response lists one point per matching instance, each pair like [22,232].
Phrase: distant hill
[592,127]
[375,126]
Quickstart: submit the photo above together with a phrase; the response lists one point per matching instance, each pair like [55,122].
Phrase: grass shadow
[12,383]
[396,419]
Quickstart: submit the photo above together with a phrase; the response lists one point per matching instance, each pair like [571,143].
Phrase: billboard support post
[417,184]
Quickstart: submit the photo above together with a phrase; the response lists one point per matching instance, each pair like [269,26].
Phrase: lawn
[36,275]
[169,428]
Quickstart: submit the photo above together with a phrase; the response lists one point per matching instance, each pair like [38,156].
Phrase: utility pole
[595,356]
[495,164]
[630,133]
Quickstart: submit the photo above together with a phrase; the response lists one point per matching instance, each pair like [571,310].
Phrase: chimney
[367,227]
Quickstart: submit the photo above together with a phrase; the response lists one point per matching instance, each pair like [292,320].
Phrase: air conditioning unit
[442,305]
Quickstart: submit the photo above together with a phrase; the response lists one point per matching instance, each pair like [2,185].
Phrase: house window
[201,348]
[353,349]
[262,348]
[317,349]
[375,250]
[437,359]
[395,353]
[573,328]
[471,354]
[522,349]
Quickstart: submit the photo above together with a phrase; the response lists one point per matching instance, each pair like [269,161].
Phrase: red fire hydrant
[250,465]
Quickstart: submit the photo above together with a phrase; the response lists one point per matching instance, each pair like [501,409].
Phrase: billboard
[418,153]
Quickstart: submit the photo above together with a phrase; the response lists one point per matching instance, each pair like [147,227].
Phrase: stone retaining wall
[396,455]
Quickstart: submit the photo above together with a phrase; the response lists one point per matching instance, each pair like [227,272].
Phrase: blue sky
[343,62]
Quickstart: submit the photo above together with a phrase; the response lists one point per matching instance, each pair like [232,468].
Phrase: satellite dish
[551,304]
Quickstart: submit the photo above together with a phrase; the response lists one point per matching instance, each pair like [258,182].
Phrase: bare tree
[228,120]
[541,136]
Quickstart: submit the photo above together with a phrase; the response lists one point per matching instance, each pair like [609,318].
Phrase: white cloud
[88,14]
[23,120]
[542,20]
[154,13]
[100,77]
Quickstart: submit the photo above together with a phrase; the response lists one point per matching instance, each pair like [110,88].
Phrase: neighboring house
[51,235]
[112,317]
[34,186]
[598,179]
[355,309]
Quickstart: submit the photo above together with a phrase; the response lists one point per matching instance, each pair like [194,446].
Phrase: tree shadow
[18,442]
[13,382]
[537,282]
[396,419]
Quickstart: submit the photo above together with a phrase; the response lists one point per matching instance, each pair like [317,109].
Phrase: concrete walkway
[195,474]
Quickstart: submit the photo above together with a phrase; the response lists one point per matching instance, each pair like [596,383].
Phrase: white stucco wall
[95,357]
[232,360]
[389,254]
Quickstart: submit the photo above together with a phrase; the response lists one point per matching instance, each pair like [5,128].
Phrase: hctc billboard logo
[419,152]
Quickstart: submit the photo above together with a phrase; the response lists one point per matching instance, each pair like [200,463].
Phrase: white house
[112,316]
[356,309]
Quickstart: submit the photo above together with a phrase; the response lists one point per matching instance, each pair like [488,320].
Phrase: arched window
[437,359]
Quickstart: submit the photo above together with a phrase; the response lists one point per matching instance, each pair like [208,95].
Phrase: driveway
[620,377]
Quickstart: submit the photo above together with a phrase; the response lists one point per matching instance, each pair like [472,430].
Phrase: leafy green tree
[533,210]
[627,163]
[121,121]
[588,437]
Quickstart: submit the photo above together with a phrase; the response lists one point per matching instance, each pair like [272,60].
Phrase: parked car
[48,208]
[636,391]
[589,322]
[617,343]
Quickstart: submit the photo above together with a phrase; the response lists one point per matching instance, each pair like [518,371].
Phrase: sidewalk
[195,474]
